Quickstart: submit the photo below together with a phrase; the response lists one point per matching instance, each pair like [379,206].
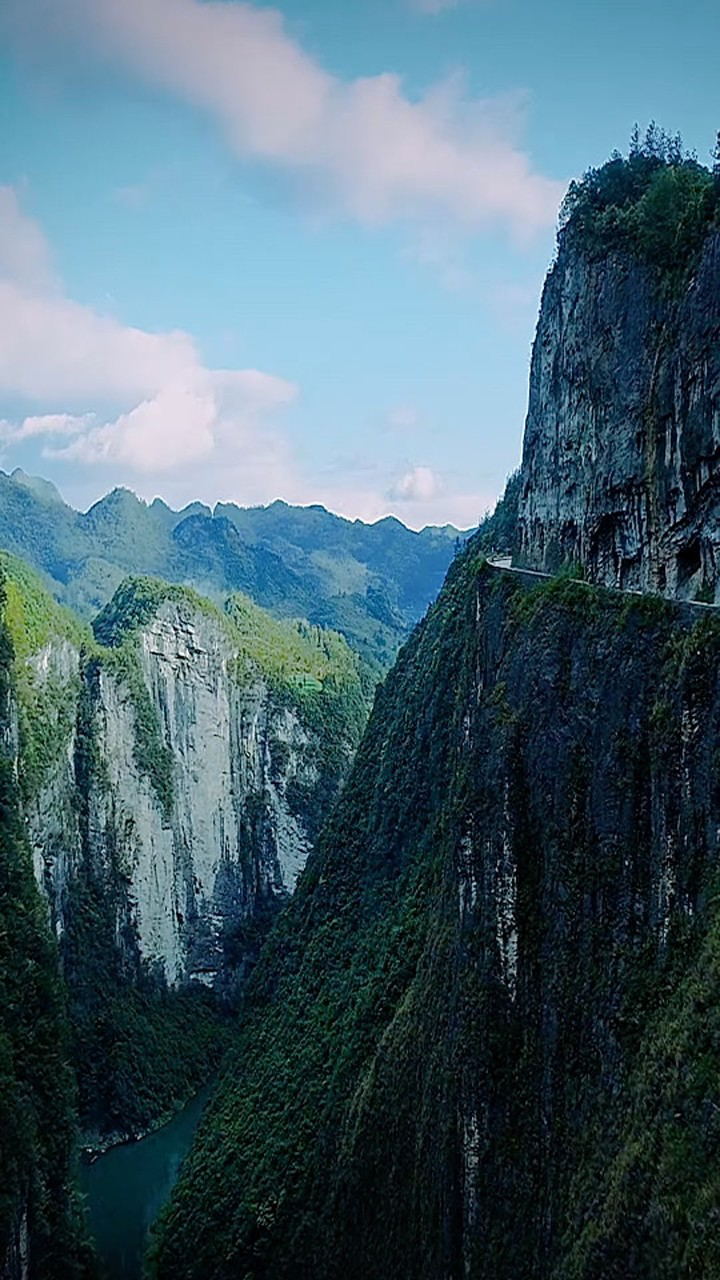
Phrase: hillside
[369,582]
[483,1040]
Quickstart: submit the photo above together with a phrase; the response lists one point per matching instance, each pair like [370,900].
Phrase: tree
[715,153]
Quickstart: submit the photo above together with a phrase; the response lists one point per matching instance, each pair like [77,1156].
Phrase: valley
[402,846]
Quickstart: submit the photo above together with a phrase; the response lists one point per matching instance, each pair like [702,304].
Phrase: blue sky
[252,251]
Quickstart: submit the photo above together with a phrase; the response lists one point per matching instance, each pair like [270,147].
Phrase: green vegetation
[141,1050]
[498,532]
[32,616]
[313,671]
[309,669]
[657,204]
[369,582]
[116,631]
[45,698]
[135,604]
[482,1038]
[37,1092]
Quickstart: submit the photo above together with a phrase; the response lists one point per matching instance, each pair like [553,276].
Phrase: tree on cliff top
[657,204]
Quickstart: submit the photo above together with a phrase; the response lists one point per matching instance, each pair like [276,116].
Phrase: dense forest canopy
[657,203]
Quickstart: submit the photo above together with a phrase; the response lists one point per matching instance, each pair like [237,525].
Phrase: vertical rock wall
[621,457]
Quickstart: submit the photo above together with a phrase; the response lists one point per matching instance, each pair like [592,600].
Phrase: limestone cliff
[197,788]
[489,1016]
[174,769]
[621,456]
[229,829]
[41,1229]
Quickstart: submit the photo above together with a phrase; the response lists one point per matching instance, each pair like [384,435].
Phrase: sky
[296,250]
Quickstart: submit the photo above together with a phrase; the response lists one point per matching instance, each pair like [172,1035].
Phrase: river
[127,1187]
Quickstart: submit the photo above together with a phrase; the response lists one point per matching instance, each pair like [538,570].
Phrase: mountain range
[371,582]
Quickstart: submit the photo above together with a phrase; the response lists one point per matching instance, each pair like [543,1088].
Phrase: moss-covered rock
[481,1039]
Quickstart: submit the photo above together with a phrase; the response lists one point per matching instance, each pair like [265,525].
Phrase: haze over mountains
[371,582]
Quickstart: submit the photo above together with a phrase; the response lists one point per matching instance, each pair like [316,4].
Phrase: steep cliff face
[41,1233]
[212,824]
[621,457]
[484,1041]
[199,782]
[173,770]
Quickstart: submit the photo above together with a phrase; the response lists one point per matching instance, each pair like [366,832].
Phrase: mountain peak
[43,489]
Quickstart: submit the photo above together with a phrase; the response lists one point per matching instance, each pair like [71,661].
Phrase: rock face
[196,865]
[193,840]
[621,458]
[491,1020]
[41,1229]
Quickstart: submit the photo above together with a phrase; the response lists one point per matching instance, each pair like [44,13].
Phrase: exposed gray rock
[621,459]
[184,874]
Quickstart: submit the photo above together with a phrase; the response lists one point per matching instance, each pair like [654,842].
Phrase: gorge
[458,966]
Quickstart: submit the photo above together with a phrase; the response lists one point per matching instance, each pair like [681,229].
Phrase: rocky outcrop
[41,1229]
[621,458]
[53,683]
[183,779]
[196,861]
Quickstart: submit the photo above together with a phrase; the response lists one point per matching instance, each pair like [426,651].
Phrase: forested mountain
[483,1039]
[465,961]
[41,1229]
[370,582]
[172,766]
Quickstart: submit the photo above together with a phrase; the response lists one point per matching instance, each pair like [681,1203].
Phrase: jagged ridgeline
[486,1034]
[370,582]
[41,1233]
[174,765]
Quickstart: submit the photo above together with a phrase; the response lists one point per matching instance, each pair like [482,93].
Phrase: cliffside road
[505,565]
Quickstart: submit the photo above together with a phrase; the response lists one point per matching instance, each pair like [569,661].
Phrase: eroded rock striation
[197,787]
[174,769]
[488,1012]
[621,457]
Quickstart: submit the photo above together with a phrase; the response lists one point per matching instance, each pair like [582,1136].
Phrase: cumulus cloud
[45,424]
[128,406]
[418,485]
[364,145]
[170,409]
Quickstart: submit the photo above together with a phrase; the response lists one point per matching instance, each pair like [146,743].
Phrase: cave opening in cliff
[689,561]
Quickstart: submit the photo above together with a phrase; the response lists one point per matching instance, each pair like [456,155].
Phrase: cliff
[41,1232]
[175,767]
[483,1040]
[621,455]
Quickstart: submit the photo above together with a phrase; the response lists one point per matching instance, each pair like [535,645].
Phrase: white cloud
[179,426]
[365,145]
[123,405]
[170,409]
[45,424]
[418,485]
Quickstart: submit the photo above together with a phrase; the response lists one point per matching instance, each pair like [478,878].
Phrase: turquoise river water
[127,1187]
